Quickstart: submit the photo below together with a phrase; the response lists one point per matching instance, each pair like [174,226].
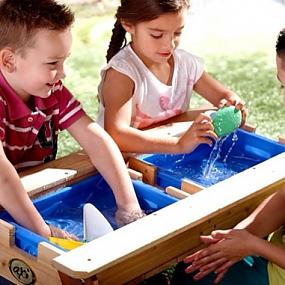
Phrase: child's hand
[234,100]
[225,247]
[201,131]
[59,233]
[124,217]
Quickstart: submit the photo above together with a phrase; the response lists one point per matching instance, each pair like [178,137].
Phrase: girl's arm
[117,95]
[216,93]
[106,157]
[213,91]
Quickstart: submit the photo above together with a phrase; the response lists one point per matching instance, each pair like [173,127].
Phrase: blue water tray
[63,208]
[249,150]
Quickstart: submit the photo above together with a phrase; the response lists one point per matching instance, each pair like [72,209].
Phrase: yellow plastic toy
[66,243]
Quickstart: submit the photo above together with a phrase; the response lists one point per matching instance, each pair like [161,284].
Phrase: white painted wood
[46,178]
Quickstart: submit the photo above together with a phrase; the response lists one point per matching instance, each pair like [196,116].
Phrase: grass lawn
[248,71]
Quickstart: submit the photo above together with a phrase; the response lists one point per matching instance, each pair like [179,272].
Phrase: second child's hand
[225,247]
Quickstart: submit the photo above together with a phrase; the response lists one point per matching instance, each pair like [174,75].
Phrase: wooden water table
[134,252]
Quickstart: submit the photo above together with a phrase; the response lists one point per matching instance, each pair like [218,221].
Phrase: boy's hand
[124,217]
[59,233]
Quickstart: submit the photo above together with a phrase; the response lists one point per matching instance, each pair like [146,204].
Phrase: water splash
[234,140]
[214,156]
[213,170]
[205,166]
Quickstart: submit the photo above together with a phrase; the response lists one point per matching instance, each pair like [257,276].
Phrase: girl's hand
[59,233]
[201,131]
[234,100]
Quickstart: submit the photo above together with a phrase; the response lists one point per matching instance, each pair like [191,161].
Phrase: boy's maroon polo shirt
[29,137]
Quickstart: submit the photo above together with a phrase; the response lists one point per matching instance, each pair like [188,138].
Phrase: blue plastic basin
[64,207]
[249,150]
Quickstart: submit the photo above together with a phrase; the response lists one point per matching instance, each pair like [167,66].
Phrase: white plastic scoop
[94,223]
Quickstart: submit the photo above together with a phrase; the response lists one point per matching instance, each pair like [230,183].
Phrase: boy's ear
[127,26]
[7,60]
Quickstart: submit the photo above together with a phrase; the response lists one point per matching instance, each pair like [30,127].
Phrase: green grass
[251,74]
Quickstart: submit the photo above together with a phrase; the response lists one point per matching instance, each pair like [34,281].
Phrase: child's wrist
[124,217]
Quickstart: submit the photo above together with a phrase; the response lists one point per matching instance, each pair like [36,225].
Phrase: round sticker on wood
[22,271]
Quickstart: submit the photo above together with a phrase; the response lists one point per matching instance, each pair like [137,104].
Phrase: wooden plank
[148,171]
[174,230]
[248,127]
[190,186]
[46,179]
[7,234]
[47,252]
[78,161]
[187,116]
[177,193]
[136,175]
[171,129]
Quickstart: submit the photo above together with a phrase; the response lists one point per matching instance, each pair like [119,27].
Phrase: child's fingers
[222,103]
[209,239]
[57,232]
[219,277]
[211,266]
[203,117]
[191,258]
[220,234]
[225,267]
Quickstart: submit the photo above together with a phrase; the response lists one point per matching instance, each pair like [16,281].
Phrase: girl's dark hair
[137,11]
[21,19]
[280,44]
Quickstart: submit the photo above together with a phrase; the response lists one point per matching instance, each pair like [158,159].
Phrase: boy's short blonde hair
[20,20]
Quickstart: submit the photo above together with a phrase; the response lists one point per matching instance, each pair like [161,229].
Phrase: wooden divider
[190,187]
[148,171]
[177,193]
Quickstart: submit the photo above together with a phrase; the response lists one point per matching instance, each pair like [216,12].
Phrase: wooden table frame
[138,250]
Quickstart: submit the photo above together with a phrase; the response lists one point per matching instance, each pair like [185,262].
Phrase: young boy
[35,40]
